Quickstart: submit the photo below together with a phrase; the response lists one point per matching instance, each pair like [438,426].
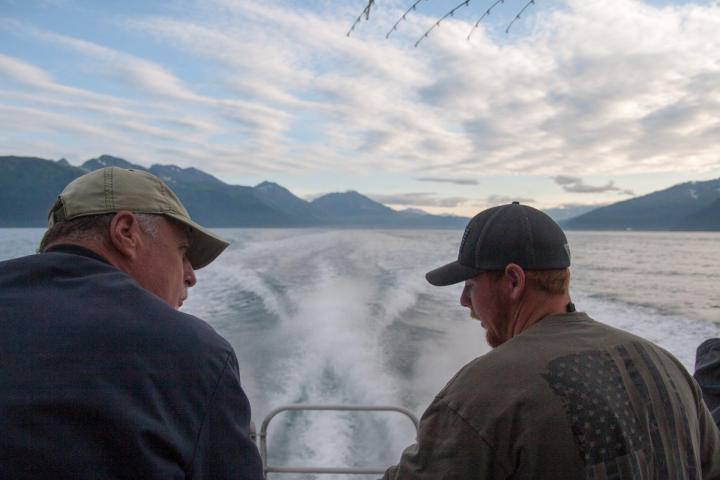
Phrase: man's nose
[188,274]
[465,297]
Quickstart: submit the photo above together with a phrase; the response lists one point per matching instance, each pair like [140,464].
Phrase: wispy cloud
[142,74]
[455,181]
[12,117]
[576,185]
[420,199]
[503,199]
[35,79]
[22,72]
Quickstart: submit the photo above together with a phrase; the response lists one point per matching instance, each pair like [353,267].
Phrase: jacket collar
[75,250]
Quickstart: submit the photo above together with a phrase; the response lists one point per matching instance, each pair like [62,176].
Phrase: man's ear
[516,279]
[125,234]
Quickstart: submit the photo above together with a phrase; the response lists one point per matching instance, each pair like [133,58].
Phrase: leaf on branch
[394,27]
[487,12]
[366,12]
[437,24]
[517,17]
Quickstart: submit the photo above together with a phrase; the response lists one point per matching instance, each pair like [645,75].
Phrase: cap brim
[205,246]
[451,273]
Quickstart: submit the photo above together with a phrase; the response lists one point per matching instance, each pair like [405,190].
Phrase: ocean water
[346,316]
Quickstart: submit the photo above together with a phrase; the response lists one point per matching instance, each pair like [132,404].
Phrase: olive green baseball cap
[113,189]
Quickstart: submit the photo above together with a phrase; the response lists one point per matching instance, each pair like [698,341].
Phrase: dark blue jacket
[707,373]
[101,379]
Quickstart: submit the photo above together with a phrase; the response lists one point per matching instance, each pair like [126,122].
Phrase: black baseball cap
[502,235]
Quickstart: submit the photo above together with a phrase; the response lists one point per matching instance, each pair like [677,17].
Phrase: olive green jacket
[569,398]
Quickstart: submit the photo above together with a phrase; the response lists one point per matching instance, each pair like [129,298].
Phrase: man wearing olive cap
[102,376]
[560,396]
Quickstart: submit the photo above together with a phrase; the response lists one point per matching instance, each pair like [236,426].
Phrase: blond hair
[554,282]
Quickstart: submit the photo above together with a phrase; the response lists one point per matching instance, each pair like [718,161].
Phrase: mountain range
[687,206]
[29,185]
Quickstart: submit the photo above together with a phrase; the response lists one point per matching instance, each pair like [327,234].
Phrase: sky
[576,102]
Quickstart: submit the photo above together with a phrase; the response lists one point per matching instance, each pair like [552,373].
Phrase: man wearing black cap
[101,376]
[560,396]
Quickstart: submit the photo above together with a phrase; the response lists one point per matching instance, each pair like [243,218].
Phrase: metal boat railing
[262,437]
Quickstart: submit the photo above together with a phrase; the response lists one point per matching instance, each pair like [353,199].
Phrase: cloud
[502,199]
[593,88]
[35,79]
[360,91]
[22,72]
[576,185]
[456,181]
[32,119]
[566,180]
[145,75]
[418,199]
[574,97]
[152,79]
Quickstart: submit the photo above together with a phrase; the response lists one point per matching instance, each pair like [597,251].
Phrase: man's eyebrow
[187,230]
[188,234]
